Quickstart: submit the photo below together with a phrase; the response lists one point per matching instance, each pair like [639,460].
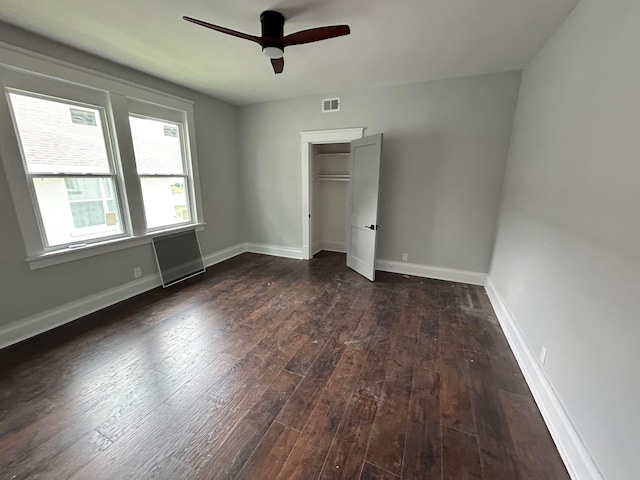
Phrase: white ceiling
[391,42]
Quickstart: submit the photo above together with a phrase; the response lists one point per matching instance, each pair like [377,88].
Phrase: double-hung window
[163,171]
[69,168]
[93,164]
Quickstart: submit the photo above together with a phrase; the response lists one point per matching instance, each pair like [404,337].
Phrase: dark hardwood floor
[267,368]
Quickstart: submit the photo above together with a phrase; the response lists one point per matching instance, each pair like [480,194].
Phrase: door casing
[308,140]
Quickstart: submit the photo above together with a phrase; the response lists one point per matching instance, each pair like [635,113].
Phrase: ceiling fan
[273,41]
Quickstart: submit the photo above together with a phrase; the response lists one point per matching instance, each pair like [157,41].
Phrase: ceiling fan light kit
[273,41]
[273,52]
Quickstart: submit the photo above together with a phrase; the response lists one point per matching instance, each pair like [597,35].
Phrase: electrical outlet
[137,272]
[543,355]
[404,257]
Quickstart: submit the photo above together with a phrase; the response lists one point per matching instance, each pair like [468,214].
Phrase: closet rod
[333,178]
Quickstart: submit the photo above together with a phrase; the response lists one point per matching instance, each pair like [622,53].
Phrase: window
[161,168]
[69,168]
[93,164]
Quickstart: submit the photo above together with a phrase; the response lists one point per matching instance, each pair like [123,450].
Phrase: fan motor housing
[272,27]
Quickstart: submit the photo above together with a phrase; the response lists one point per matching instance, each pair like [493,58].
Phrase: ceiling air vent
[331,105]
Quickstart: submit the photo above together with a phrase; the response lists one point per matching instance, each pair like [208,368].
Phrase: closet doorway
[325,189]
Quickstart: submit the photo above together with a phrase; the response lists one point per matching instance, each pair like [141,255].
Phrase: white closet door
[363,205]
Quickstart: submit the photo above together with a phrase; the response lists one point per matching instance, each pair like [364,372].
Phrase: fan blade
[228,31]
[278,64]
[316,34]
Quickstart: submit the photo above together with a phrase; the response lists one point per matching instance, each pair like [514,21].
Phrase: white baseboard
[49,319]
[275,250]
[340,247]
[224,254]
[428,271]
[572,450]
[327,246]
[36,324]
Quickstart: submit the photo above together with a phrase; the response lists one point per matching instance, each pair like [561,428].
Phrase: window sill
[68,255]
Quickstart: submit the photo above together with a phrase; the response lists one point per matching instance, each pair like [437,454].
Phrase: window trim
[68,255]
[139,109]
[50,90]
[118,92]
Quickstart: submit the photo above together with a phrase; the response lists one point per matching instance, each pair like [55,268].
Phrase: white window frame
[48,76]
[137,108]
[81,97]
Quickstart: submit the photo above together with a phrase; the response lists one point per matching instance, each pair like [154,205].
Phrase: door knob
[371,227]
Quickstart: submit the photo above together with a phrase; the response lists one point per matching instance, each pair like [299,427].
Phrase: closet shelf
[333,178]
[339,154]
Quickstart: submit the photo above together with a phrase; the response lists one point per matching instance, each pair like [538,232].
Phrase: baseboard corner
[429,271]
[224,254]
[275,250]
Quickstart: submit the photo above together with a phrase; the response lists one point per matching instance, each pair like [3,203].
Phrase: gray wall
[24,292]
[445,146]
[567,257]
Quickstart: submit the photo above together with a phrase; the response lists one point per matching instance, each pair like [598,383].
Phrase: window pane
[67,215]
[59,137]
[157,146]
[165,201]
[87,214]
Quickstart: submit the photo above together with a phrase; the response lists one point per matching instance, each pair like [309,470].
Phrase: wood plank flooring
[271,368]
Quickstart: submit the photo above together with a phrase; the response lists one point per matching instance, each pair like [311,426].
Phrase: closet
[330,164]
